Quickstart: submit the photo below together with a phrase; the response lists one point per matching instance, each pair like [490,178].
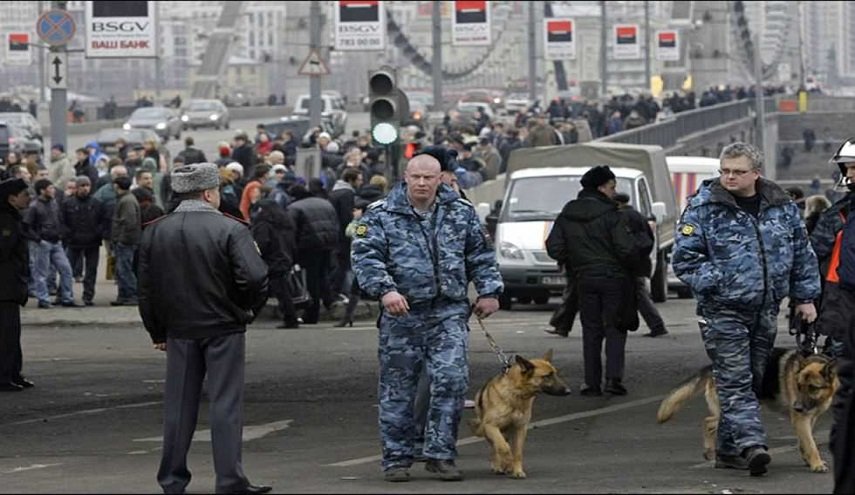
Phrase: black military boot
[614,387]
[445,468]
[397,474]
[757,459]
[731,462]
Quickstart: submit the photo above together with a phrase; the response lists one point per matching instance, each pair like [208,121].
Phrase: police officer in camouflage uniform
[742,247]
[416,251]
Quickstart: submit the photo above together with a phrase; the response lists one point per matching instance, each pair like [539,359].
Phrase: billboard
[668,45]
[470,23]
[18,49]
[559,40]
[360,25]
[625,42]
[120,29]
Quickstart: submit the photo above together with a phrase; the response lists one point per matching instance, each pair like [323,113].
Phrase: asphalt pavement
[93,422]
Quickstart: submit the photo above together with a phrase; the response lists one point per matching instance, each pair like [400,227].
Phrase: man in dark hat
[201,281]
[591,240]
[14,272]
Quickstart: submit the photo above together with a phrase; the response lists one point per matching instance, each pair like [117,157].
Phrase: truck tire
[505,302]
[659,282]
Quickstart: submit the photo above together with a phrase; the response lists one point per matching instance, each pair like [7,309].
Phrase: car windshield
[149,113]
[543,198]
[13,118]
[202,105]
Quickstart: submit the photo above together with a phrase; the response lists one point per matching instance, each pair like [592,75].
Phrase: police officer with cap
[14,273]
[201,281]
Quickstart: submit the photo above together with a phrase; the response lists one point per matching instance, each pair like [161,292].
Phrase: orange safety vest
[834,264]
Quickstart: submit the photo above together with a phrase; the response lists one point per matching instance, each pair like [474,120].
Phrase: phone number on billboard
[361,42]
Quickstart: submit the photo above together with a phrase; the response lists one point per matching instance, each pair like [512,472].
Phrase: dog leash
[506,363]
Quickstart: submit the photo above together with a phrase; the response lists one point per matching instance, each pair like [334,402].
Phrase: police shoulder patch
[688,229]
[361,230]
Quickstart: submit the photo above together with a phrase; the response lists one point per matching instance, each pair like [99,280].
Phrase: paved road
[93,422]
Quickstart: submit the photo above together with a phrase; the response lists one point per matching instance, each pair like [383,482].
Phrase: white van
[687,174]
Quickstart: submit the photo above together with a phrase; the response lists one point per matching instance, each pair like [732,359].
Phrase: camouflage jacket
[730,258]
[394,248]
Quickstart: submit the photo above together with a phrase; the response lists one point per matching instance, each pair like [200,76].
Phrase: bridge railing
[668,132]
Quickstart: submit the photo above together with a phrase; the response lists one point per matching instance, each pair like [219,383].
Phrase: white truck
[540,181]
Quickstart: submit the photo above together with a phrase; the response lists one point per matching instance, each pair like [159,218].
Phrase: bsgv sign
[120,29]
[360,25]
[470,23]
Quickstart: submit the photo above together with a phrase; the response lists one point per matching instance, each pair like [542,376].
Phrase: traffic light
[388,106]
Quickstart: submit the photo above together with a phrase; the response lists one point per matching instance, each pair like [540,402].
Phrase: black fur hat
[597,176]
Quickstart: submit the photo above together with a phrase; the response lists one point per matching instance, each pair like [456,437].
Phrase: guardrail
[667,133]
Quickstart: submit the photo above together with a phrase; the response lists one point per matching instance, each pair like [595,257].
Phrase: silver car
[25,120]
[163,121]
[205,113]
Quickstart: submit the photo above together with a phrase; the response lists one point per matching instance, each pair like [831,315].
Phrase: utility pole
[604,72]
[647,44]
[532,53]
[41,69]
[157,62]
[760,125]
[436,64]
[58,97]
[315,80]
[801,7]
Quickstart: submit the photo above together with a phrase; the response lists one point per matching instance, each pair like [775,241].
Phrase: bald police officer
[416,251]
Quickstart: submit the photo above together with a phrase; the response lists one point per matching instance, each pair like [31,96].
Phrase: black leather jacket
[200,275]
[83,221]
[317,223]
[14,257]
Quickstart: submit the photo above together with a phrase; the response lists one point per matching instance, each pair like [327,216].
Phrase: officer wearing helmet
[833,240]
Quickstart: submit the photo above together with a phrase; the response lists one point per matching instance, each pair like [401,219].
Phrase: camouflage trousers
[437,339]
[739,343]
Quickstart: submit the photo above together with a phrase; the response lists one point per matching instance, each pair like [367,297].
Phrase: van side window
[644,206]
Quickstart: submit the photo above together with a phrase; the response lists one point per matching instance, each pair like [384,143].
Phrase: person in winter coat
[591,239]
[192,154]
[44,224]
[742,247]
[83,219]
[274,232]
[253,188]
[14,272]
[125,238]
[83,167]
[60,170]
[343,197]
[317,235]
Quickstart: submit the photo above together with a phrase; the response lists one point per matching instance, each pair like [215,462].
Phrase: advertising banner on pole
[360,25]
[470,23]
[123,29]
[18,49]
[559,40]
[668,45]
[625,42]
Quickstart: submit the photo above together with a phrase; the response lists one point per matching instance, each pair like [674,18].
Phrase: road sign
[57,70]
[314,65]
[56,27]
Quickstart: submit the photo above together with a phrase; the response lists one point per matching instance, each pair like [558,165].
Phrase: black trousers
[646,308]
[11,359]
[317,266]
[563,317]
[187,363]
[843,428]
[280,290]
[598,299]
[87,259]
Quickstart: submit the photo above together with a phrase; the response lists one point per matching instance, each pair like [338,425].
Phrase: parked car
[332,110]
[22,141]
[205,113]
[164,121]
[107,138]
[517,103]
[23,119]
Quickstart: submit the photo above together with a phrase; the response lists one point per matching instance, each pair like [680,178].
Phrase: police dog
[503,409]
[802,387]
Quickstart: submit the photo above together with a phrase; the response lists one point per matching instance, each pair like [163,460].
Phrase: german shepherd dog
[503,409]
[801,386]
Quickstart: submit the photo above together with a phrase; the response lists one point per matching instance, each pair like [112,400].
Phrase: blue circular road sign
[55,27]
